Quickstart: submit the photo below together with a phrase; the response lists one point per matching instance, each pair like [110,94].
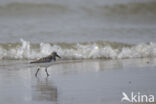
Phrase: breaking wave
[132,8]
[17,8]
[86,50]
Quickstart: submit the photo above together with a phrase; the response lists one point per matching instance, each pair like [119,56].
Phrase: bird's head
[54,54]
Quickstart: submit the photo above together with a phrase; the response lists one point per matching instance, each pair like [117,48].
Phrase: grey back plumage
[49,58]
[43,60]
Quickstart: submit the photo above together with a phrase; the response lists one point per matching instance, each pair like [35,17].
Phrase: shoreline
[82,82]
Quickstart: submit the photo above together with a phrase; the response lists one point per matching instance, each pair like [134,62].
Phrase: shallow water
[78,82]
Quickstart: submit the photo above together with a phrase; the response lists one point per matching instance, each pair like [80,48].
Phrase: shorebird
[45,62]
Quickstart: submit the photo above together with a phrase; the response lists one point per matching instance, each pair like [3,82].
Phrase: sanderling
[45,62]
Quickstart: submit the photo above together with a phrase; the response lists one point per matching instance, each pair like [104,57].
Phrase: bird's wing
[42,60]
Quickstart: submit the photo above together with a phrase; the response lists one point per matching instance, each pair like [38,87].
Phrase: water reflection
[44,90]
[86,66]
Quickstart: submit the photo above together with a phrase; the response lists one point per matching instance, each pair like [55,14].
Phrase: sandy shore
[78,82]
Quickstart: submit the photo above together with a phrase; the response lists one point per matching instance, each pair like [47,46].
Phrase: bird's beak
[58,56]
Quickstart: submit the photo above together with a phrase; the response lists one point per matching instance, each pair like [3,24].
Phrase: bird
[45,62]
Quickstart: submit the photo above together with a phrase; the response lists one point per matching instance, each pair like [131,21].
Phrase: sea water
[77,29]
[50,21]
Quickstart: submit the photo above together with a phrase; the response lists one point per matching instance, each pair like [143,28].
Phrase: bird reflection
[44,91]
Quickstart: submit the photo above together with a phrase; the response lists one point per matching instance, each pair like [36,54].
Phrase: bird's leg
[37,72]
[46,71]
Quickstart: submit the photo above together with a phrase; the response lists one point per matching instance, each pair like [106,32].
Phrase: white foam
[80,51]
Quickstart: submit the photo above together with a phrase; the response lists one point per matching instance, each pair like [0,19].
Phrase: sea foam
[87,50]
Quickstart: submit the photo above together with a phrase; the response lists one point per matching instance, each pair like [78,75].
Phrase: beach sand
[76,82]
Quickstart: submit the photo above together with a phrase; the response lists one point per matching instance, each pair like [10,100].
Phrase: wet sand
[76,82]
